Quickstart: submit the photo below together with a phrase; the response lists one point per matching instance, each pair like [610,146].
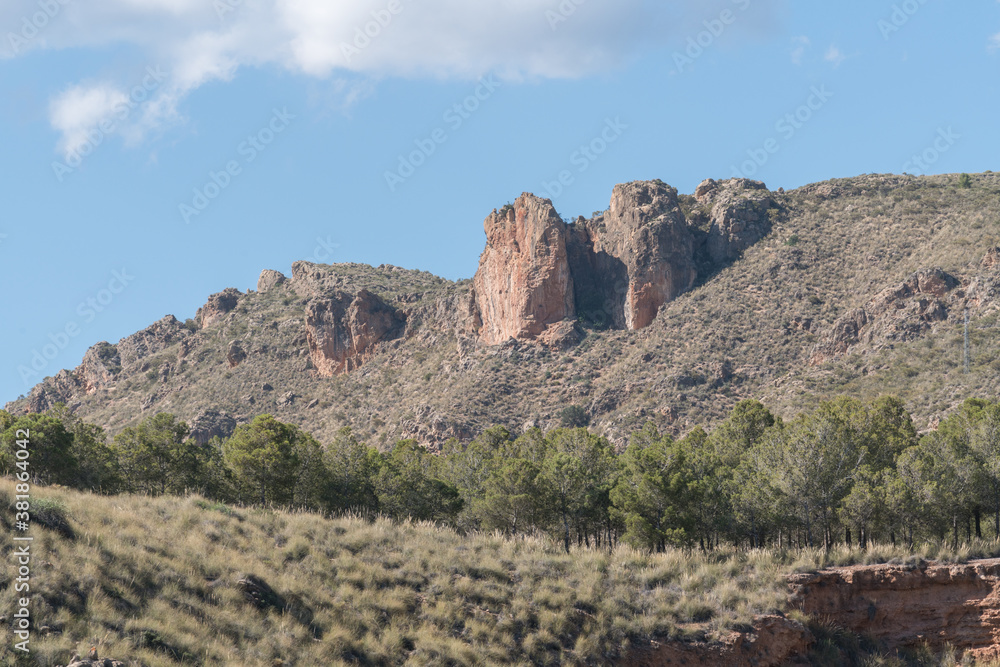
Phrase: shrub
[51,514]
[573,416]
[965,181]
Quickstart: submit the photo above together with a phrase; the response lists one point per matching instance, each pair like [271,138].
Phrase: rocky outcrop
[218,306]
[269,280]
[523,284]
[621,266]
[345,330]
[900,605]
[740,216]
[774,640]
[151,340]
[236,354]
[100,366]
[210,424]
[635,257]
[897,314]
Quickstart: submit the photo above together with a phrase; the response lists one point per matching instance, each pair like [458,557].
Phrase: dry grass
[154,580]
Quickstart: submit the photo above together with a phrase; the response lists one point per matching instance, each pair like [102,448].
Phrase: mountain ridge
[821,290]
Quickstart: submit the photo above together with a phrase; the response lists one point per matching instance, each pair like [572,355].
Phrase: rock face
[957,605]
[218,306]
[636,256]
[617,268]
[897,314]
[345,330]
[100,366]
[523,284]
[740,216]
[269,280]
[775,640]
[210,424]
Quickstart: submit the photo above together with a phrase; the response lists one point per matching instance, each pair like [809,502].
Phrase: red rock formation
[523,284]
[898,605]
[775,640]
[643,252]
[218,306]
[344,331]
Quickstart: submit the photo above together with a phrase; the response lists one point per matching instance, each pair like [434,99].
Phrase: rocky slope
[666,308]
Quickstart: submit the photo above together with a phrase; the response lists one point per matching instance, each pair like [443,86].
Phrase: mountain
[665,307]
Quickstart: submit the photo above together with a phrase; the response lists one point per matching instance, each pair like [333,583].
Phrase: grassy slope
[154,580]
[854,236]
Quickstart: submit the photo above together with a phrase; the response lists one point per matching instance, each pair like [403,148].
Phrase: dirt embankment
[897,605]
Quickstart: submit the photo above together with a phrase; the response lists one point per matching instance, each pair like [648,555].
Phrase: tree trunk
[979,523]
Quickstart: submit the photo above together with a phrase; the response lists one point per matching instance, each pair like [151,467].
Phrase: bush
[965,181]
[51,514]
[573,416]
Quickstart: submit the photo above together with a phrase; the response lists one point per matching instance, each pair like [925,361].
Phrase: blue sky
[157,151]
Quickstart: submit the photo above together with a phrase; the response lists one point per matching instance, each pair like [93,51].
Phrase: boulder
[344,331]
[523,284]
[235,355]
[269,280]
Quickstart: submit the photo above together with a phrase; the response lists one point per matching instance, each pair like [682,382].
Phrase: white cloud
[801,44]
[200,41]
[78,110]
[995,42]
[834,56]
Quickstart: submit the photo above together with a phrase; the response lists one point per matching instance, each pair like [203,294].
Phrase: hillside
[222,585]
[666,308]
[217,585]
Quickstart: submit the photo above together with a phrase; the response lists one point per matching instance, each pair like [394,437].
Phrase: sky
[153,152]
